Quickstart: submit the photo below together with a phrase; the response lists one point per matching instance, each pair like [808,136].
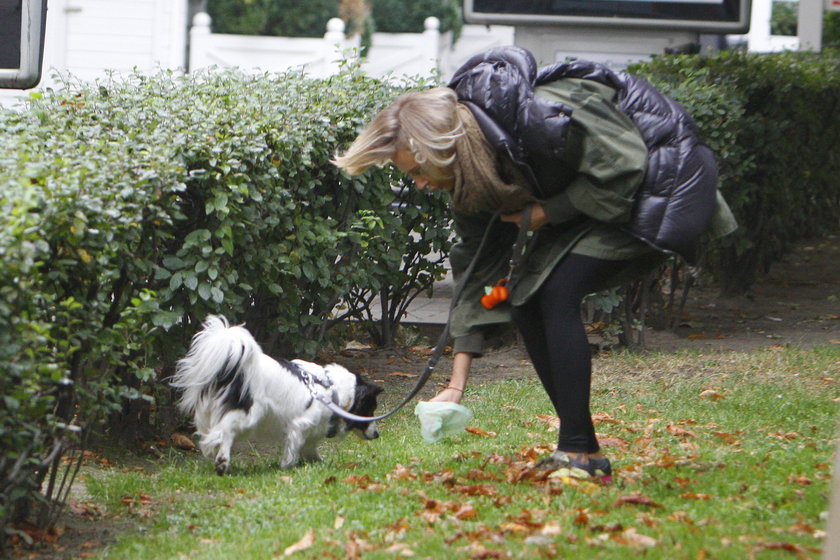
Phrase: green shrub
[831,30]
[784,17]
[134,208]
[396,16]
[280,18]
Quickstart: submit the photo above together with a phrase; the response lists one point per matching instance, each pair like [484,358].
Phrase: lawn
[717,456]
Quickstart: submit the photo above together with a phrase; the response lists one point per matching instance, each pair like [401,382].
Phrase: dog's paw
[222,466]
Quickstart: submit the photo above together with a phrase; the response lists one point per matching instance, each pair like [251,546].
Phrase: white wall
[90,37]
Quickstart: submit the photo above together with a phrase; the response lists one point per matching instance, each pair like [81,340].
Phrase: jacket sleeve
[610,156]
[469,318]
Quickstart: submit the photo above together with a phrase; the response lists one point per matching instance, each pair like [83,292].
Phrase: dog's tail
[215,366]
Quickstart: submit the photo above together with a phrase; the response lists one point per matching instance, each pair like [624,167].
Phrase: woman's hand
[538,217]
[461,363]
[450,394]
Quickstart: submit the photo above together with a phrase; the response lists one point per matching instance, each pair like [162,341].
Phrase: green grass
[742,471]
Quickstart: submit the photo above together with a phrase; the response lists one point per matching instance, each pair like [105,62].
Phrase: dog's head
[363,402]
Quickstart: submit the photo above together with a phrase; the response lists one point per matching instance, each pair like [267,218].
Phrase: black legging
[552,327]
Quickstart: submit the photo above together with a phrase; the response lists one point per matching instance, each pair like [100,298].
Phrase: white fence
[317,56]
[394,54]
[88,39]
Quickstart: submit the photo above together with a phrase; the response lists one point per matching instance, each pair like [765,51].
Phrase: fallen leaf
[552,422]
[446,476]
[401,472]
[402,374]
[616,442]
[552,528]
[637,540]
[784,546]
[514,527]
[801,480]
[711,394]
[400,549]
[727,437]
[480,432]
[477,490]
[695,496]
[182,442]
[480,552]
[603,418]
[466,511]
[679,431]
[636,500]
[789,436]
[307,541]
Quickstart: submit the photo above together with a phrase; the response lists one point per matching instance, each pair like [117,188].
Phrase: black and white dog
[234,391]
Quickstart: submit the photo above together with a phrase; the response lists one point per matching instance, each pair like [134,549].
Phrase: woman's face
[426,177]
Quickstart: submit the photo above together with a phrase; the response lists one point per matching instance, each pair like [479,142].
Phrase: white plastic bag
[439,419]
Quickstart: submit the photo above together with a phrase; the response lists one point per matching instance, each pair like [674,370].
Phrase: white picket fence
[390,54]
[90,39]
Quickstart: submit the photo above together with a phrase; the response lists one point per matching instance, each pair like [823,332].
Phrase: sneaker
[562,464]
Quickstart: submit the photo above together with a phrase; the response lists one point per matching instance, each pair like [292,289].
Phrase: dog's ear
[367,388]
[371,388]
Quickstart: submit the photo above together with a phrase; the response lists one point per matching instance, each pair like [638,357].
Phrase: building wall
[88,38]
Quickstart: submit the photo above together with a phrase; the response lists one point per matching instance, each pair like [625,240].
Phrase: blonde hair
[423,122]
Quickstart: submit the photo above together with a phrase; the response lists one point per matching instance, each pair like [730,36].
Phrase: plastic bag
[440,419]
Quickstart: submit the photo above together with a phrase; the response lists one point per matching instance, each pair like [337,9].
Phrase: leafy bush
[784,17]
[831,30]
[280,18]
[396,16]
[134,208]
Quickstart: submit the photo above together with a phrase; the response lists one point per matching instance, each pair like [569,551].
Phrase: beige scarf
[484,180]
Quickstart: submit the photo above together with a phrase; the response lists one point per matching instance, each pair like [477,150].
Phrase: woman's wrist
[455,388]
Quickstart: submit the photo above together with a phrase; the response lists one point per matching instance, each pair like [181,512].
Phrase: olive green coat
[609,157]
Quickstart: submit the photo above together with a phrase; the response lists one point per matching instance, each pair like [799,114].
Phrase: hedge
[133,208]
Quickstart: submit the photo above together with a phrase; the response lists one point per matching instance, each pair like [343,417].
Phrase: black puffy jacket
[675,203]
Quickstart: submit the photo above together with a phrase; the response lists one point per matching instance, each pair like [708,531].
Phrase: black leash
[518,250]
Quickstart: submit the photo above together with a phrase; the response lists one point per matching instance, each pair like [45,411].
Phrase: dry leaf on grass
[636,500]
[711,395]
[551,422]
[480,432]
[402,374]
[307,541]
[182,442]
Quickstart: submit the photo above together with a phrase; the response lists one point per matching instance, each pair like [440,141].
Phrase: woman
[608,174]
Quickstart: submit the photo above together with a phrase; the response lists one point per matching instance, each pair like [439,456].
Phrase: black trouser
[552,327]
